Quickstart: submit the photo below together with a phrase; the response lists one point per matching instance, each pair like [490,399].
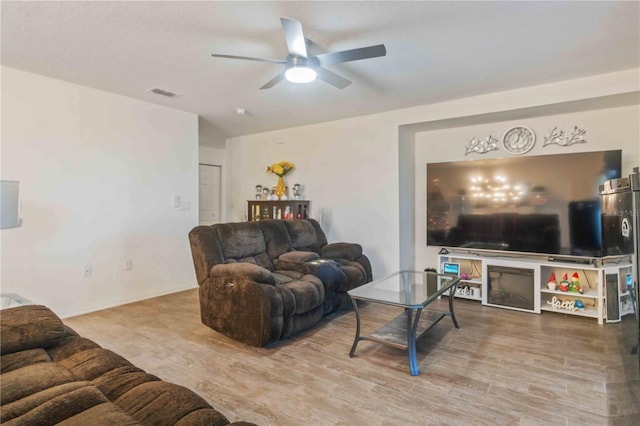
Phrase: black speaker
[432,281]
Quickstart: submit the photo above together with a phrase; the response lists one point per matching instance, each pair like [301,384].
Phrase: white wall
[610,128]
[97,174]
[348,169]
[211,156]
[351,168]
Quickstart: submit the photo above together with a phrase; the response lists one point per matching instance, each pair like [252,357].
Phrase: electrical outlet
[128,265]
[87,271]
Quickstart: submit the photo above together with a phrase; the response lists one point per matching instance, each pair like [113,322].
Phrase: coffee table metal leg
[451,297]
[412,327]
[357,338]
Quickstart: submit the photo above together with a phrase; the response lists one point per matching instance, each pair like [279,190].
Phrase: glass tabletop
[410,289]
[11,300]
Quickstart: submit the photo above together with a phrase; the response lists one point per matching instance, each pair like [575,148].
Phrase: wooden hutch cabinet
[289,209]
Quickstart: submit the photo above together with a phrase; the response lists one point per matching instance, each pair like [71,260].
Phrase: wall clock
[518,140]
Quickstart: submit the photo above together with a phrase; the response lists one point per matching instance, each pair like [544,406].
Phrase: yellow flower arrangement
[281,168]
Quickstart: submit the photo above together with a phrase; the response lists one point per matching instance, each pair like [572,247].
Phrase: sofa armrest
[241,308]
[301,261]
[29,327]
[349,251]
[245,270]
[298,256]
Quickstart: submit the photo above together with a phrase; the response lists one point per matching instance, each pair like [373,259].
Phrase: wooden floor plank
[501,367]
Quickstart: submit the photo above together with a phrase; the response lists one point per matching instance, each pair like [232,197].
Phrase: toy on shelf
[579,304]
[552,284]
[575,284]
[564,284]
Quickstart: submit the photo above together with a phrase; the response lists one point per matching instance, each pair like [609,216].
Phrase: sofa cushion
[302,295]
[284,275]
[62,407]
[244,242]
[276,237]
[303,235]
[160,403]
[92,363]
[69,346]
[260,259]
[205,416]
[21,359]
[349,251]
[115,383]
[31,379]
[28,327]
[108,413]
[30,402]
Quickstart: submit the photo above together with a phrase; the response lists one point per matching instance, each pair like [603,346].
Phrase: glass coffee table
[11,300]
[413,291]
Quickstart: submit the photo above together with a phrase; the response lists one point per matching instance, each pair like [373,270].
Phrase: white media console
[520,281]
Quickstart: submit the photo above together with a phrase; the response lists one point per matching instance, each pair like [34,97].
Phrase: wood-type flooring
[501,367]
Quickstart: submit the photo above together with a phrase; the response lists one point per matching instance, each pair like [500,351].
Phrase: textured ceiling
[435,51]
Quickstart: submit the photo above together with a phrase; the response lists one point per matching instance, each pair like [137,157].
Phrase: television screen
[542,204]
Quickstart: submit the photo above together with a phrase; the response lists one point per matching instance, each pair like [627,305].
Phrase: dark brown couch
[264,281]
[50,375]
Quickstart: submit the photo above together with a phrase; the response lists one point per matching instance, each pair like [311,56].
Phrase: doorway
[209,194]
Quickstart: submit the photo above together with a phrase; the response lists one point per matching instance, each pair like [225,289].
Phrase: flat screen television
[537,204]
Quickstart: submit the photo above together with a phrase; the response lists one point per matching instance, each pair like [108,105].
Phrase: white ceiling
[436,51]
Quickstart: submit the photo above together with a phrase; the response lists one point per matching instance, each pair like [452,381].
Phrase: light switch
[176,201]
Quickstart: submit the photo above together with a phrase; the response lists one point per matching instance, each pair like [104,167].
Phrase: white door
[210,194]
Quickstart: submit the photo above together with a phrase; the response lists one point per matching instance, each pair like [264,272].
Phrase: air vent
[162,92]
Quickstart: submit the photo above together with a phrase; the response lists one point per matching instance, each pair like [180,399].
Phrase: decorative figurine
[575,284]
[297,191]
[564,284]
[552,283]
[579,304]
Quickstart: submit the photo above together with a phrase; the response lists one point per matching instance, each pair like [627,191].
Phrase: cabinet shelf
[286,209]
[588,311]
[591,293]
[469,266]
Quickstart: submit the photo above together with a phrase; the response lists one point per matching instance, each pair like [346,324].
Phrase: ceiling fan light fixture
[300,74]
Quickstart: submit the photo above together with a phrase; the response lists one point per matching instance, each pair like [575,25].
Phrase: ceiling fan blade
[275,80]
[294,36]
[332,78]
[351,55]
[249,58]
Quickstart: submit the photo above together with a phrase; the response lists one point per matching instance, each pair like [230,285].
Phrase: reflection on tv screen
[540,204]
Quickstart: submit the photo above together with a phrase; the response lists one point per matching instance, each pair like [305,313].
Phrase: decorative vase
[281,187]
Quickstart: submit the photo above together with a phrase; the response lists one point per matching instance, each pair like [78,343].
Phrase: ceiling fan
[300,67]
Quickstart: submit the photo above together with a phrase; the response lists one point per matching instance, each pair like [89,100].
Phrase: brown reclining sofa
[264,281]
[50,375]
